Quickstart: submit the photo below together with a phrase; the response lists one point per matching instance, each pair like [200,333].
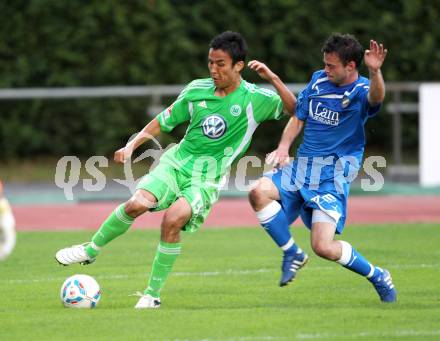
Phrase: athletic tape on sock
[347,250]
[268,212]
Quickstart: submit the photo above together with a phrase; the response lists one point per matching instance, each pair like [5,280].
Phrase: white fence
[395,92]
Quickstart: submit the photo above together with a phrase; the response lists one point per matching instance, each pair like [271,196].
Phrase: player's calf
[380,278]
[274,221]
[116,224]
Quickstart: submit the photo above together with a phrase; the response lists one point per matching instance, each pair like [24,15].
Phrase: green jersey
[220,128]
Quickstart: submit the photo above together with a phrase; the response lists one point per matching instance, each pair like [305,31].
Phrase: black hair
[346,47]
[231,42]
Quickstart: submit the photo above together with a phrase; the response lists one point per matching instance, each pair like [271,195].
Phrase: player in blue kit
[333,110]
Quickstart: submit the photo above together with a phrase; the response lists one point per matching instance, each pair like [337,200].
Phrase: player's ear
[239,66]
[351,65]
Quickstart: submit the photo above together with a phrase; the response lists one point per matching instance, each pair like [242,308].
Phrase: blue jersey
[331,152]
[334,117]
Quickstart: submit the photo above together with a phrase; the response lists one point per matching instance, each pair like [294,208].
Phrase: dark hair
[346,47]
[231,42]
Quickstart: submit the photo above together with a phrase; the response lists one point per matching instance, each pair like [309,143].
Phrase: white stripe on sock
[177,247]
[371,272]
[94,246]
[288,245]
[169,251]
[121,217]
[268,212]
[164,249]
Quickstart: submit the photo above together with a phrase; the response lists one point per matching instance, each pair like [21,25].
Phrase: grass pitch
[225,287]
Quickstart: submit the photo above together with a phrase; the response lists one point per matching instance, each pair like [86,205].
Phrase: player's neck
[222,92]
[353,77]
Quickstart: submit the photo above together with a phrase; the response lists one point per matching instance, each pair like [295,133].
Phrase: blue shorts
[301,194]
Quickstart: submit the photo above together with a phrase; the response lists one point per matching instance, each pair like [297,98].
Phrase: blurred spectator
[7,227]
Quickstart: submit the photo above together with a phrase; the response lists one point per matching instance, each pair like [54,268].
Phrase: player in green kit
[223,112]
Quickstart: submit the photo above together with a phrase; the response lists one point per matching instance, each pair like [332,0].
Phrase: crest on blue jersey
[214,126]
[345,102]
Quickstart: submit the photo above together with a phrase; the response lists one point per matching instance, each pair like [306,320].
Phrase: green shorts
[167,184]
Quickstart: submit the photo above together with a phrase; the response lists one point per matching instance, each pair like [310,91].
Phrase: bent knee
[171,227]
[255,195]
[135,208]
[262,193]
[175,221]
[323,250]
[139,203]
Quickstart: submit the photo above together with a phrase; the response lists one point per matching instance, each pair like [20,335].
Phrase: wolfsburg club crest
[235,110]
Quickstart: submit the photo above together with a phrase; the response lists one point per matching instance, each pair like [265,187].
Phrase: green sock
[166,255]
[116,224]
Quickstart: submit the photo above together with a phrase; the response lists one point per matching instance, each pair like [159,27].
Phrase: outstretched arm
[280,156]
[288,98]
[152,129]
[374,58]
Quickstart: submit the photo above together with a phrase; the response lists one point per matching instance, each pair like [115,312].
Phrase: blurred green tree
[49,43]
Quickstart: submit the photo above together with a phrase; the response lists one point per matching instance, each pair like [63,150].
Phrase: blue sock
[274,221]
[354,261]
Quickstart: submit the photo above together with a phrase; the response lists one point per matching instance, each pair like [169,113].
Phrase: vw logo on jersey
[214,126]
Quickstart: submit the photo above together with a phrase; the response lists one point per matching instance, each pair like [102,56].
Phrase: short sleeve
[302,101]
[302,104]
[267,106]
[176,113]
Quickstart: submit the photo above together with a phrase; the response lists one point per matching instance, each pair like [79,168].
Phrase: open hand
[262,69]
[375,56]
[278,158]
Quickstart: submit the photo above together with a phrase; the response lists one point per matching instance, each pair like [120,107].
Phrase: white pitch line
[368,334]
[210,273]
[221,273]
[143,275]
[238,338]
[322,336]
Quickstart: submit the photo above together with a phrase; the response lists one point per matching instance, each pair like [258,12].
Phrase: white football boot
[148,302]
[74,254]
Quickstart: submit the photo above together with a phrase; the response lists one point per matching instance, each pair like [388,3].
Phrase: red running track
[228,213]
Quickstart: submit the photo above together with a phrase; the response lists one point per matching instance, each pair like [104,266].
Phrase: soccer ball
[80,291]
